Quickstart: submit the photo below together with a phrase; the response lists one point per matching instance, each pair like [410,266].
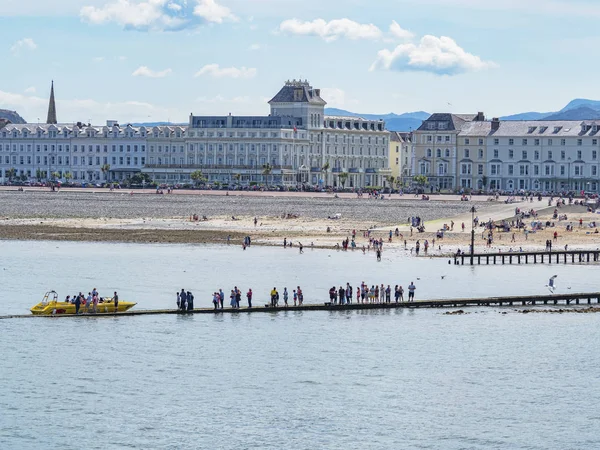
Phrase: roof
[446,121]
[478,129]
[306,94]
[544,128]
[74,130]
[397,136]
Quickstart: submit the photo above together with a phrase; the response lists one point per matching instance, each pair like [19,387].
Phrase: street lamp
[472,232]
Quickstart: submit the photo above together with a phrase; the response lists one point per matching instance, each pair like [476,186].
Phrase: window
[536,142]
[580,142]
[594,141]
[480,169]
[511,154]
[578,170]
[594,154]
[524,141]
[496,141]
[467,141]
[578,154]
[536,155]
[496,153]
[438,153]
[510,169]
[594,170]
[494,169]
[523,154]
[480,154]
[536,170]
[466,153]
[480,141]
[511,142]
[562,170]
[447,153]
[428,152]
[550,155]
[563,142]
[562,155]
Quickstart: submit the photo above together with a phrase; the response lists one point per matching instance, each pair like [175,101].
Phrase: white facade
[297,142]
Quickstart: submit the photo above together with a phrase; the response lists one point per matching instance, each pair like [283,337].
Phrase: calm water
[347,380]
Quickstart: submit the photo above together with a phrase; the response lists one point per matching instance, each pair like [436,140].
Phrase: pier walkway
[534,300]
[565,257]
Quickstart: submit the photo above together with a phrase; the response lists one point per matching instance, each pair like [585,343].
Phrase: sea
[493,378]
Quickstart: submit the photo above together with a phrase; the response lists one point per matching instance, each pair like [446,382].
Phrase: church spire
[51,107]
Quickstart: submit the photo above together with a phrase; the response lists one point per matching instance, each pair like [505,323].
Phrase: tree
[10,173]
[391,180]
[39,174]
[55,175]
[484,181]
[68,177]
[421,180]
[105,169]
[324,170]
[197,177]
[238,177]
[343,177]
[267,170]
[140,178]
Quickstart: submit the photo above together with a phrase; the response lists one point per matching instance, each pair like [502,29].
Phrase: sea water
[493,378]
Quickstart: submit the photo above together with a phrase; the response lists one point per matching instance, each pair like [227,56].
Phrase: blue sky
[155,60]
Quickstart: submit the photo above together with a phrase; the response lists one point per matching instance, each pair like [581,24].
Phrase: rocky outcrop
[11,116]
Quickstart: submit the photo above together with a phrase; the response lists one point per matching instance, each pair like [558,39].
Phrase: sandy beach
[143,216]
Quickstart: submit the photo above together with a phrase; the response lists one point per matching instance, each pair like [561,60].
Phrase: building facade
[295,144]
[400,156]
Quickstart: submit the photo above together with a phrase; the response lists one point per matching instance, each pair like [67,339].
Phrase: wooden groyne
[532,300]
[557,257]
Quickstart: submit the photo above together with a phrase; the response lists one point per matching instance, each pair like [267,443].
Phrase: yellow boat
[51,306]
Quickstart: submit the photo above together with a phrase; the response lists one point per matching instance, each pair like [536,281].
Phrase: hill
[12,116]
[393,122]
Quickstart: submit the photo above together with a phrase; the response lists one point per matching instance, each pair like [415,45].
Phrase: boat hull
[62,308]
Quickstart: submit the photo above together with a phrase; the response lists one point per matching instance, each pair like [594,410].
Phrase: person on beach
[249,297]
[378,254]
[411,292]
[116,300]
[284,242]
[301,247]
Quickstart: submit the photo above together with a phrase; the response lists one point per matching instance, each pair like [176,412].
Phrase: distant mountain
[526,116]
[12,116]
[393,122]
[581,113]
[156,124]
[580,103]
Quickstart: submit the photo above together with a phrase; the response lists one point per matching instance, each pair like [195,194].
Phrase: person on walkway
[238,297]
[411,292]
[273,296]
[182,299]
[116,300]
[215,300]
[221,297]
[332,295]
[88,302]
[232,302]
[300,296]
[285,296]
[178,301]
[77,304]
[342,295]
[249,297]
[300,246]
[295,296]
[401,289]
[190,301]
[388,294]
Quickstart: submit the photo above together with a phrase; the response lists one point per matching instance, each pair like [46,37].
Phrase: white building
[294,144]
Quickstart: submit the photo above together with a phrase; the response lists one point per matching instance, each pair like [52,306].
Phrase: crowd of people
[91,301]
[375,294]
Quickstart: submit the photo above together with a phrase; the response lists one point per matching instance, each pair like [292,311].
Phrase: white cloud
[30,90]
[23,44]
[336,97]
[255,47]
[213,12]
[157,15]
[441,56]
[216,71]
[398,32]
[98,59]
[144,71]
[222,99]
[72,110]
[332,30]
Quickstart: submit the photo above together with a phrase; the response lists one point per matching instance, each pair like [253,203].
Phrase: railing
[213,166]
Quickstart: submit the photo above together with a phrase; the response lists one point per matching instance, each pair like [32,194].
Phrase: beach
[227,217]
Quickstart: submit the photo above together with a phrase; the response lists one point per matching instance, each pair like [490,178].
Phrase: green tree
[267,170]
[39,174]
[105,169]
[197,177]
[391,180]
[324,170]
[68,176]
[343,177]
[421,180]
[484,181]
[238,177]
[10,174]
[55,176]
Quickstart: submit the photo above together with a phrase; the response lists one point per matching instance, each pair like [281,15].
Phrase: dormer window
[532,129]
[543,129]
[557,129]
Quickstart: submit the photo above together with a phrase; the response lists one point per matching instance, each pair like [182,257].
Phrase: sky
[160,60]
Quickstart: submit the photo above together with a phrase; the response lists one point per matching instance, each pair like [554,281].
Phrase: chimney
[480,117]
[318,92]
[495,124]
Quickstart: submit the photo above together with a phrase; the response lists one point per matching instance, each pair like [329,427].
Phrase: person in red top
[249,297]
